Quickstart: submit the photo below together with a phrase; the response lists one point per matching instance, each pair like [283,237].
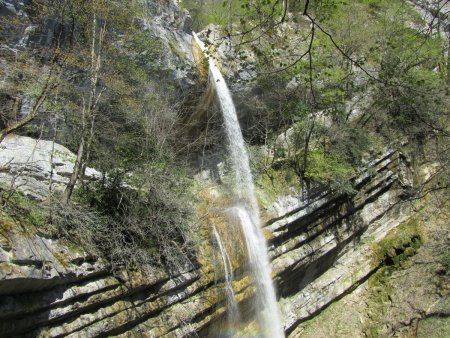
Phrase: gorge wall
[320,250]
[321,245]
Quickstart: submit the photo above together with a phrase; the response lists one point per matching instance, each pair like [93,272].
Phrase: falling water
[233,311]
[246,209]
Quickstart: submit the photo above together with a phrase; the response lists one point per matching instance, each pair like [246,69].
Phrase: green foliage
[374,52]
[399,244]
[210,11]
[380,295]
[23,210]
[330,170]
[272,179]
[445,261]
[325,9]
[409,99]
[227,13]
[389,255]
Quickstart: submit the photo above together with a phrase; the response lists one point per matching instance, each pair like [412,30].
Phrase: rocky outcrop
[407,297]
[172,27]
[320,250]
[36,167]
[13,7]
[48,288]
[321,247]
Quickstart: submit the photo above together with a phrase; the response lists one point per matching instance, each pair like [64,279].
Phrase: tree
[346,67]
[109,101]
[44,81]
[90,104]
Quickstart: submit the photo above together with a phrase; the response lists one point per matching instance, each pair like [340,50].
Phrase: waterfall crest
[246,209]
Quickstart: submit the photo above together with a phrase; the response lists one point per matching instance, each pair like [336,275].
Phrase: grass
[22,210]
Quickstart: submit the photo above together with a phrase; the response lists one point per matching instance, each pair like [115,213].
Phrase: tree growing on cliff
[99,21]
[368,73]
[23,77]
[112,106]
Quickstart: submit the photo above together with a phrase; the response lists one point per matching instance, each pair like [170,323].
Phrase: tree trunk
[89,110]
[76,170]
[30,116]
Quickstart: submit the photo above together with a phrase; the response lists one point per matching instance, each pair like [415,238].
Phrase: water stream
[246,209]
[233,310]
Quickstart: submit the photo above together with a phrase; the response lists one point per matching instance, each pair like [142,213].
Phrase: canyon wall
[320,245]
[320,250]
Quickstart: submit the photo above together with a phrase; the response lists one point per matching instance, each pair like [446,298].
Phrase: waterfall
[246,209]
[233,311]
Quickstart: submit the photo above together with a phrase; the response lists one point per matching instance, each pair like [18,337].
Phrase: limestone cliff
[320,250]
[322,245]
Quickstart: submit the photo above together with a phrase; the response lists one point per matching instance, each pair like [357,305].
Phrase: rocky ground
[411,300]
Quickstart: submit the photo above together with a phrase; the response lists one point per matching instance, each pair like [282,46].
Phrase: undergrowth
[148,228]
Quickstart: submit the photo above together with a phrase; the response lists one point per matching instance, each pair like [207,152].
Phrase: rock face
[323,249]
[34,167]
[409,299]
[320,247]
[320,250]
[172,26]
[12,7]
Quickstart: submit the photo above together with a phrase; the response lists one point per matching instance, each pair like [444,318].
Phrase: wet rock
[320,248]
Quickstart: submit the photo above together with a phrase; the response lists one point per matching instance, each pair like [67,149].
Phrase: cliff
[350,227]
[321,249]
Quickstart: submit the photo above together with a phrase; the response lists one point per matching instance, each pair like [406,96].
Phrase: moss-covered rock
[399,244]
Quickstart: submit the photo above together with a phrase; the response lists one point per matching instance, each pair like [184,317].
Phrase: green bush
[399,244]
[145,225]
[330,170]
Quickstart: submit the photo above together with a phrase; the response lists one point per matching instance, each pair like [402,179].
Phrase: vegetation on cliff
[328,85]
[408,293]
[341,79]
[89,75]
[344,105]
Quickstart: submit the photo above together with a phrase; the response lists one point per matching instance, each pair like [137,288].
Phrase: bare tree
[89,106]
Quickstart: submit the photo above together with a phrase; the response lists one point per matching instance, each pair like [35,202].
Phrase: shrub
[145,226]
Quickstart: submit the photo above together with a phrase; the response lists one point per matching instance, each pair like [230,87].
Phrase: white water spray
[247,210]
[233,311]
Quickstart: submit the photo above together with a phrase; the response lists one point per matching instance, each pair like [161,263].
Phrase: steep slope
[321,250]
[324,244]
[410,299]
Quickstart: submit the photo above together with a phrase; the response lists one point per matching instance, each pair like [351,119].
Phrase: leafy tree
[109,102]
[350,77]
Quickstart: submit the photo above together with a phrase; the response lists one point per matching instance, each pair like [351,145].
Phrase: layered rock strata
[320,248]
